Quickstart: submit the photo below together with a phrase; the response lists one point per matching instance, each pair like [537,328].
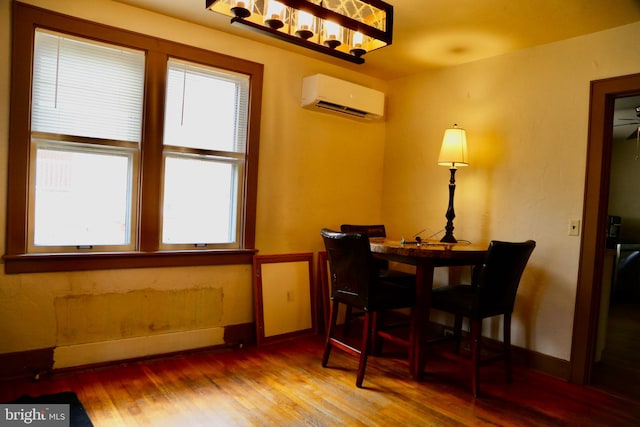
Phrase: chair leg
[364,347]
[457,332]
[377,320]
[476,335]
[333,318]
[507,345]
[347,320]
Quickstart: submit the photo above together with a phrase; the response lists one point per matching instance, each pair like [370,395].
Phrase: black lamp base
[450,215]
[448,238]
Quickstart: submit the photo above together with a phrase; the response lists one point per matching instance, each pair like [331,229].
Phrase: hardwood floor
[284,385]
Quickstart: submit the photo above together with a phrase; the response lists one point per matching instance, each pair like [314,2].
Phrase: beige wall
[526,116]
[315,170]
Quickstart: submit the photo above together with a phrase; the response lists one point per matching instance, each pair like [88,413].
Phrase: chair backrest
[353,272]
[499,276]
[372,231]
[375,230]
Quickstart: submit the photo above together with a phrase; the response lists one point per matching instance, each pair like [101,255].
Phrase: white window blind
[87,89]
[206,108]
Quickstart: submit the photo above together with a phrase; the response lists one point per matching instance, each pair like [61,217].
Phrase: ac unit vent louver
[341,109]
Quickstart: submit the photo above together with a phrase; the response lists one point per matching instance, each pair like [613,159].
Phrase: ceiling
[438,33]
[431,34]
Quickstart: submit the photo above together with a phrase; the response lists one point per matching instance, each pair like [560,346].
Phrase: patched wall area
[136,313]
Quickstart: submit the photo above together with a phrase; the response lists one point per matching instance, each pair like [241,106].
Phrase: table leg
[420,319]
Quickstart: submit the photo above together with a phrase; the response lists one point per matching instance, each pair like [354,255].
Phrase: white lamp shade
[453,152]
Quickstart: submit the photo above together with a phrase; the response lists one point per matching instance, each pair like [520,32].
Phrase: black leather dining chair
[491,293]
[355,283]
[379,231]
[401,278]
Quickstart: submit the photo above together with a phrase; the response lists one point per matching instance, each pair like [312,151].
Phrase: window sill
[40,263]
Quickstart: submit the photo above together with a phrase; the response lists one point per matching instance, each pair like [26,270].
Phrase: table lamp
[453,154]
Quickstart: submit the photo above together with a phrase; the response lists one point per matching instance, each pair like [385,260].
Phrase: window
[127,151]
[204,141]
[86,121]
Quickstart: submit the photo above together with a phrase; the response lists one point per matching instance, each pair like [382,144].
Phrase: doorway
[593,251]
[616,366]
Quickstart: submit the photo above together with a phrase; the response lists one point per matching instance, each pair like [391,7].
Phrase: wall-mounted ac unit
[328,94]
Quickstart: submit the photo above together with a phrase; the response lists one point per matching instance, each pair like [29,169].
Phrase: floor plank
[284,385]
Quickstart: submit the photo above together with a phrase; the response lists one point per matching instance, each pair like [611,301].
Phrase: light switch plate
[574,227]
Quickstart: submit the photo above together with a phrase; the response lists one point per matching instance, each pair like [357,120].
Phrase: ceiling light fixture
[345,29]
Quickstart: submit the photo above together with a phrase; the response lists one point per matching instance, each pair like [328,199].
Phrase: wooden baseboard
[34,363]
[529,359]
[240,335]
[543,363]
[26,364]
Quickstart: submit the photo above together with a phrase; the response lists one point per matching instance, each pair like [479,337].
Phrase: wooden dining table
[426,256]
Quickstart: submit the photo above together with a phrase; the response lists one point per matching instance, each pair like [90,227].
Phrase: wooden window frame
[17,259]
